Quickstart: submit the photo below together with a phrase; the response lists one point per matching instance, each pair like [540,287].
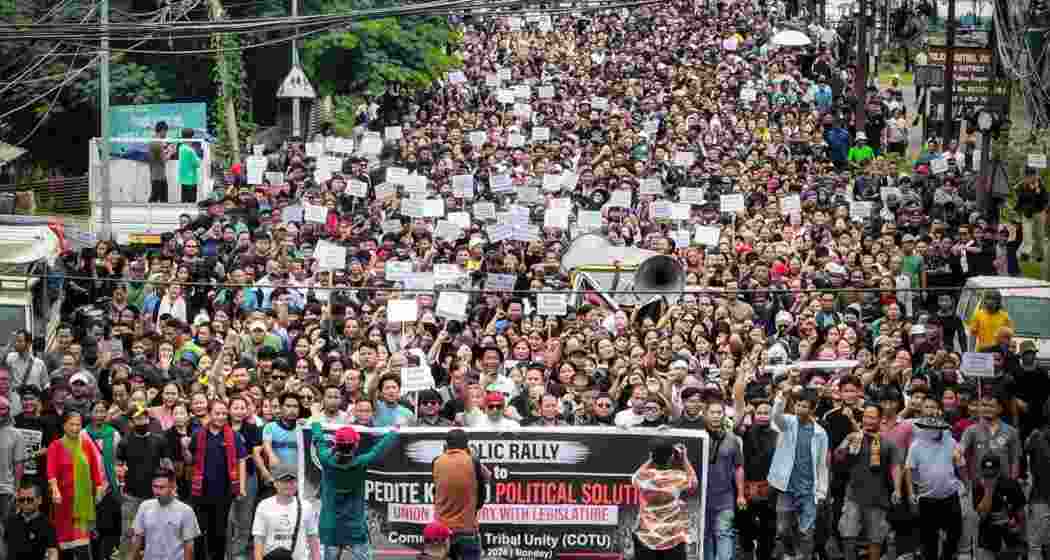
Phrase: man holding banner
[343,473]
[460,480]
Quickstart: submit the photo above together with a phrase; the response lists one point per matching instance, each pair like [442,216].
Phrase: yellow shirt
[984,326]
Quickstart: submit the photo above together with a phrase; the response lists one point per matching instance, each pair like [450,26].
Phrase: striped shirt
[663,514]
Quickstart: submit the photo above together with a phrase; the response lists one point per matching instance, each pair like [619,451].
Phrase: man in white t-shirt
[277,516]
[634,415]
[164,527]
[495,415]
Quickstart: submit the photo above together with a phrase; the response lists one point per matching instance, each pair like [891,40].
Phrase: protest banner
[554,493]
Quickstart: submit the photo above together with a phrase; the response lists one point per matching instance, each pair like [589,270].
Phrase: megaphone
[659,273]
[652,271]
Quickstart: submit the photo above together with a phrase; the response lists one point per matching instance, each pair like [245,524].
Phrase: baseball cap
[347,435]
[257,325]
[436,532]
[284,472]
[908,238]
[494,398]
[82,377]
[1028,346]
[680,364]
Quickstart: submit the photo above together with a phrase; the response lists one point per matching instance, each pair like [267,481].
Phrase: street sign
[929,75]
[973,74]
[296,85]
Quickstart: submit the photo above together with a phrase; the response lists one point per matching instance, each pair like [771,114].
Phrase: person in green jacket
[344,513]
[861,152]
[189,168]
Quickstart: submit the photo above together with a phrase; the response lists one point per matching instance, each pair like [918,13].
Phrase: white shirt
[275,523]
[482,421]
[628,418]
[165,530]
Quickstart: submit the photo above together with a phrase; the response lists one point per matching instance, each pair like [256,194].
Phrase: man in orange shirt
[459,481]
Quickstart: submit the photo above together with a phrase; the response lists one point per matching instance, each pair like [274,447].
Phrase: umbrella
[790,38]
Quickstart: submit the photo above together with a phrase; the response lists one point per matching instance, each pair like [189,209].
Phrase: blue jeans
[796,515]
[720,535]
[241,520]
[359,551]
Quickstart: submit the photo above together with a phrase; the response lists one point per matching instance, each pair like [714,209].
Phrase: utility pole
[949,75]
[103,94]
[297,126]
[860,79]
[230,108]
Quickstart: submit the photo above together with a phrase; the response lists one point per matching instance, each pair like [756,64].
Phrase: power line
[694,290]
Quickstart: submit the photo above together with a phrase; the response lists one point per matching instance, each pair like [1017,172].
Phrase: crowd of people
[163,419]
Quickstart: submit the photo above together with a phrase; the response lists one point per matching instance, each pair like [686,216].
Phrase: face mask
[165,500]
[762,420]
[141,429]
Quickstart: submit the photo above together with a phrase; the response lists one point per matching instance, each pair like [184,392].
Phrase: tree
[370,57]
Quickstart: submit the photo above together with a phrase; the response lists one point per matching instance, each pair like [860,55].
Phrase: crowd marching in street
[164,420]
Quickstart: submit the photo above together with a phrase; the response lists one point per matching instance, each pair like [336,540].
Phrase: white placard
[522,92]
[462,183]
[790,204]
[748,95]
[484,211]
[434,208]
[417,378]
[589,220]
[500,282]
[412,207]
[707,235]
[557,218]
[505,96]
[691,195]
[523,110]
[500,184]
[860,210]
[397,270]
[396,175]
[416,184]
[392,226]
[652,186]
[660,210]
[599,103]
[504,74]
[392,133]
[551,304]
[541,134]
[257,149]
[445,273]
[492,80]
[256,166]
[447,230]
[357,189]
[457,77]
[1037,161]
[478,138]
[314,149]
[515,140]
[314,213]
[975,161]
[681,211]
[546,92]
[274,177]
[621,199]
[452,305]
[551,182]
[330,256]
[371,146]
[423,281]
[402,311]
[685,159]
[528,195]
[732,203]
[681,238]
[385,190]
[978,364]
[938,166]
[461,219]
[499,232]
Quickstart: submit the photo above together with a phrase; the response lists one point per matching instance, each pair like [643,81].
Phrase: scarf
[83,491]
[104,434]
[876,450]
[197,484]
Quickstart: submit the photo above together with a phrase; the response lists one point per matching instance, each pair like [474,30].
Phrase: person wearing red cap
[437,540]
[494,418]
[343,473]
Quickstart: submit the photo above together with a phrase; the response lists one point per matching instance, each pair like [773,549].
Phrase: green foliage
[344,114]
[130,84]
[229,77]
[371,56]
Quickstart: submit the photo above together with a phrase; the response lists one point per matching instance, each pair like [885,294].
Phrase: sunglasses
[430,403]
[495,407]
[25,500]
[278,377]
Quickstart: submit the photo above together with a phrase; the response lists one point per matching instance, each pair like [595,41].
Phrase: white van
[1026,300]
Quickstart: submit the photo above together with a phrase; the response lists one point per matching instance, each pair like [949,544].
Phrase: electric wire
[57,275]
